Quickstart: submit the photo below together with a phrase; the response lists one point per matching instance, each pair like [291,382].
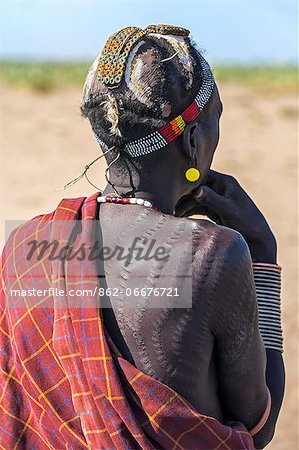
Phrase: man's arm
[244,368]
[275,377]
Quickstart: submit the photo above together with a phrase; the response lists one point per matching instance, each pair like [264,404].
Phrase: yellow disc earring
[192,174]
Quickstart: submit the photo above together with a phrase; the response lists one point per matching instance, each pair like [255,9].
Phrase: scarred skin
[212,353]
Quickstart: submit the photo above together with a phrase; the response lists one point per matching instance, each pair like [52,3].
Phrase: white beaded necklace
[126,201]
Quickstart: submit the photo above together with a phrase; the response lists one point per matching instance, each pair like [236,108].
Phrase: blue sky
[243,31]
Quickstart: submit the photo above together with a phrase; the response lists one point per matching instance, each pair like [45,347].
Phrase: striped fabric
[62,383]
[267,279]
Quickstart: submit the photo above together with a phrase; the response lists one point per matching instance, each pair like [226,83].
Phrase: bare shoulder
[229,276]
[213,246]
[226,241]
[222,264]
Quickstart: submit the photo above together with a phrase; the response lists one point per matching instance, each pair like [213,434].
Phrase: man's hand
[225,202]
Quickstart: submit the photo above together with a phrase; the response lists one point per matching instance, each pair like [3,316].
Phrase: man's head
[144,87]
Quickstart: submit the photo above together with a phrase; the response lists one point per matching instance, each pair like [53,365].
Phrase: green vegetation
[42,76]
[280,77]
[48,76]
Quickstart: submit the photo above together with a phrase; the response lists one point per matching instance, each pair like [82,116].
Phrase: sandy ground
[45,143]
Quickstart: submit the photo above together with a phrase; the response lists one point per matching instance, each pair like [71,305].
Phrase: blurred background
[46,47]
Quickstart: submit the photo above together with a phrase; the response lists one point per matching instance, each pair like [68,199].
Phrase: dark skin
[218,361]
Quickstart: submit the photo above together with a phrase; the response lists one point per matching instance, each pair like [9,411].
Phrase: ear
[191,141]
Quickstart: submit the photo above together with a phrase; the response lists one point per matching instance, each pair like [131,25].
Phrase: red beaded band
[264,417]
[191,112]
[267,266]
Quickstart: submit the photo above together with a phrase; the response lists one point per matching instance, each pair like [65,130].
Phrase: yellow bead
[192,174]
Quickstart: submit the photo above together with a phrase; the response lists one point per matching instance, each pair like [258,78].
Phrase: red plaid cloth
[63,386]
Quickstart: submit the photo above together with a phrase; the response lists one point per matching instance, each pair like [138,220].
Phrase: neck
[163,197]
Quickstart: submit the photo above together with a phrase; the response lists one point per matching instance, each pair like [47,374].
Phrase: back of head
[141,81]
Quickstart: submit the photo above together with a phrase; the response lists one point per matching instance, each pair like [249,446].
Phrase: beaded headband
[111,68]
[112,61]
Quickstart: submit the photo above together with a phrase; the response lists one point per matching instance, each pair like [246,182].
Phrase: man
[135,375]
